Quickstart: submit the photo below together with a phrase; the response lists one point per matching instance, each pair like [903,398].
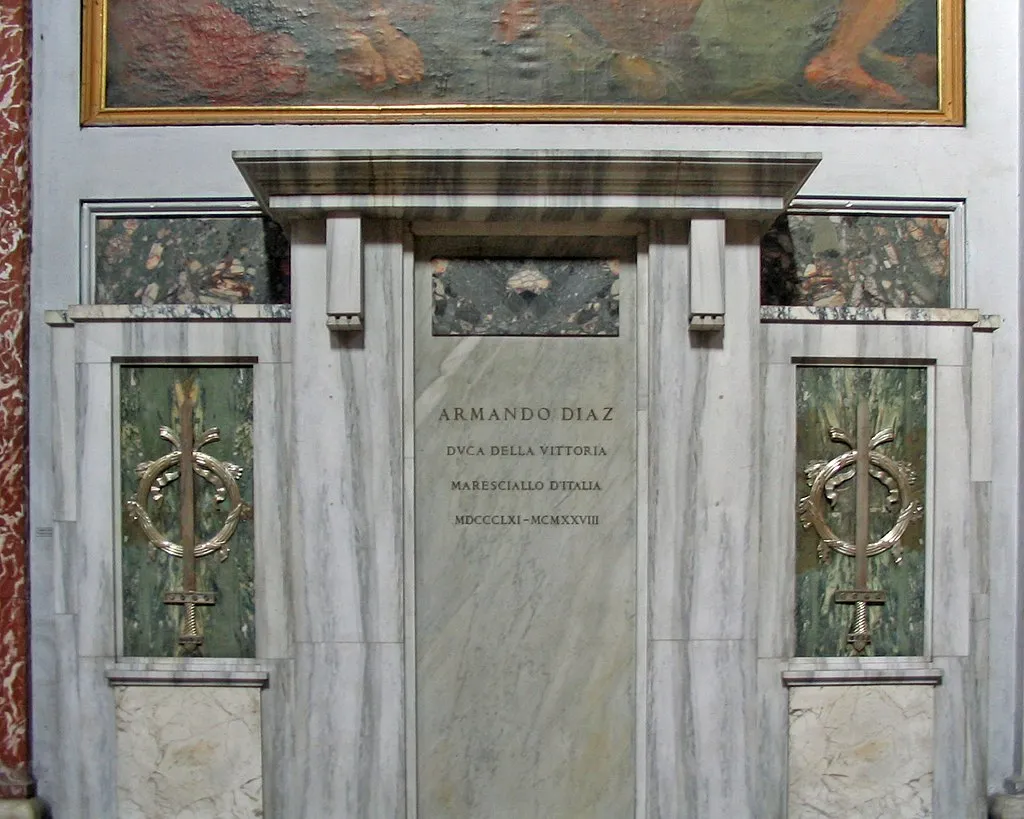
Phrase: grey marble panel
[64,554]
[770,773]
[93,548]
[97,342]
[959,788]
[525,629]
[97,742]
[347,733]
[705,436]
[702,712]
[775,625]
[982,383]
[950,516]
[46,693]
[282,770]
[346,467]
[63,417]
[949,344]
[271,422]
[65,790]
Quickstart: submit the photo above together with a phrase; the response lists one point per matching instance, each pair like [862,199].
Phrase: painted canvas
[696,60]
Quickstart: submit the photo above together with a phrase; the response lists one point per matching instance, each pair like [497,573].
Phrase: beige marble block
[860,752]
[188,753]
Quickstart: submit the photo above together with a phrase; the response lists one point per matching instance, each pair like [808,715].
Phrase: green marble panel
[827,397]
[149,399]
[856,260]
[525,297]
[230,259]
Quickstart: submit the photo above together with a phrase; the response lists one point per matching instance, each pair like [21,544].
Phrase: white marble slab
[188,753]
[525,625]
[861,752]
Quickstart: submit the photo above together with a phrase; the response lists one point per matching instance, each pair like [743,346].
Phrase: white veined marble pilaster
[702,712]
[959,787]
[704,495]
[345,478]
[704,444]
[92,553]
[271,422]
[951,542]
[348,729]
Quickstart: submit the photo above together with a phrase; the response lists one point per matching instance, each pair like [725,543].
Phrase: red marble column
[15,44]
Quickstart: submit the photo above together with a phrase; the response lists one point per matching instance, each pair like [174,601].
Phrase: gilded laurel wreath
[825,478]
[155,476]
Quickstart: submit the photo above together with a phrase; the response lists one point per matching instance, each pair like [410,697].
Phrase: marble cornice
[468,184]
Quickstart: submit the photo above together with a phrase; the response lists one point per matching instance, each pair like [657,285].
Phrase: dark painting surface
[838,55]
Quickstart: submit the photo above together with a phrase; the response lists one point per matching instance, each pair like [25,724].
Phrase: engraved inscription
[525,559]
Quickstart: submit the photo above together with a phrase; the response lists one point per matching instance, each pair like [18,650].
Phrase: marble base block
[21,809]
[860,752]
[1004,806]
[190,753]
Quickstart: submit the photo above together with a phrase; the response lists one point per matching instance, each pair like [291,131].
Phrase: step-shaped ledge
[168,312]
[860,671]
[189,671]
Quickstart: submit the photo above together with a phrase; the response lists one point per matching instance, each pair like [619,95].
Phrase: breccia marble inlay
[861,752]
[188,752]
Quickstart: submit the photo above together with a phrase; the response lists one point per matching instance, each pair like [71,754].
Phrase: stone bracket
[707,274]
[344,272]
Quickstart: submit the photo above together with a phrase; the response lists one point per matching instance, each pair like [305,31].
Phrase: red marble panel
[15,778]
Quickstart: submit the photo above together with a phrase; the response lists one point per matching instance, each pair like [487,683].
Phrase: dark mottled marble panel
[191,260]
[827,397]
[857,260]
[526,297]
[149,400]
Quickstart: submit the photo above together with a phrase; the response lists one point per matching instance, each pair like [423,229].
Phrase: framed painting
[219,61]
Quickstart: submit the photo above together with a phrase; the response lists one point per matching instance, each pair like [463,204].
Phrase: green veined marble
[149,627]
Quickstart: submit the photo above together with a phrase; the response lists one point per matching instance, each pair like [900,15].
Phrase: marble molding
[522,184]
[860,752]
[15,777]
[188,753]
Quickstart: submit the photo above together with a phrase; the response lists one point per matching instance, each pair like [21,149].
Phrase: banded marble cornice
[523,183]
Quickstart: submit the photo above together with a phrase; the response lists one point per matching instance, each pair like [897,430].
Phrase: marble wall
[380,611]
[861,752]
[188,752]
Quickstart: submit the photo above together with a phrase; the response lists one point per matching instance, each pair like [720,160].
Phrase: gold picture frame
[146,62]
